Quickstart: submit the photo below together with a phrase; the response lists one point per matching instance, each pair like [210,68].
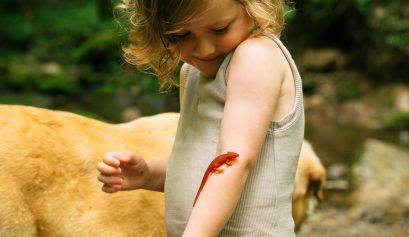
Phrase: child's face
[220,27]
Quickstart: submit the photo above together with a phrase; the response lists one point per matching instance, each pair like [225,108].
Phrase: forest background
[65,54]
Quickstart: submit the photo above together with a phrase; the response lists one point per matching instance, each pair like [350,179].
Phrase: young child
[240,91]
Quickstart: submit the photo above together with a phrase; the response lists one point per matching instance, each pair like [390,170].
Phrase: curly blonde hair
[152,24]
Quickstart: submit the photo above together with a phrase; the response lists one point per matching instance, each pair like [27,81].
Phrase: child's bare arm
[252,95]
[156,181]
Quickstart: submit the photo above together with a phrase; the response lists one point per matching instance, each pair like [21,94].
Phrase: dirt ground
[331,221]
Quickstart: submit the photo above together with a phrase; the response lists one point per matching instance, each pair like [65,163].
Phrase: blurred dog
[309,182]
[48,175]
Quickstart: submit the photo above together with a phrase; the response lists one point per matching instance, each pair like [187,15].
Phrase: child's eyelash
[221,30]
[183,35]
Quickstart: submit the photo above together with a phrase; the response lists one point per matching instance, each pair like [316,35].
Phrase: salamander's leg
[218,170]
[230,162]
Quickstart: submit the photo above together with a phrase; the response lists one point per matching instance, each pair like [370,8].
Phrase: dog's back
[48,179]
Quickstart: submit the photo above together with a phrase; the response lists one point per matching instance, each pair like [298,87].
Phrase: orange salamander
[214,166]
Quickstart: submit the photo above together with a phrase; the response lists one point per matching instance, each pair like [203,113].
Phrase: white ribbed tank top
[264,208]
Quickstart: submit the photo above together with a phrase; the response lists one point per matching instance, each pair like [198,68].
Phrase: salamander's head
[232,154]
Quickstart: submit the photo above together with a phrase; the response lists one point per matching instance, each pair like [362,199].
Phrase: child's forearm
[217,201]
[156,180]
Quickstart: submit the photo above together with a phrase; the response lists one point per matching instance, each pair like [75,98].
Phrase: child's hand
[122,171]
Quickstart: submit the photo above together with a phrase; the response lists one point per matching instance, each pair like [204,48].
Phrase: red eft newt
[214,166]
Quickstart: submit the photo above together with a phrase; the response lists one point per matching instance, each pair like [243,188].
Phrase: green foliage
[362,5]
[149,84]
[349,89]
[71,19]
[100,42]
[356,155]
[33,99]
[391,24]
[374,34]
[83,49]
[398,121]
[308,84]
[15,29]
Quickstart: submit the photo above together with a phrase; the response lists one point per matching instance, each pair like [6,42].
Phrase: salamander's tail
[200,190]
[209,170]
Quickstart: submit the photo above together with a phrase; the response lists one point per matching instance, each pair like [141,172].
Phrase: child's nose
[204,48]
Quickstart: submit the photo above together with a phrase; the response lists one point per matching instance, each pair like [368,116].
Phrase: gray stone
[380,182]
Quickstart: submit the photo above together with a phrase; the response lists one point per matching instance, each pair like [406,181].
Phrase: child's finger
[111,189]
[111,158]
[106,169]
[128,158]
[110,180]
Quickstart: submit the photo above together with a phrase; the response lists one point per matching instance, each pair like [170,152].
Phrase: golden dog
[309,182]
[48,184]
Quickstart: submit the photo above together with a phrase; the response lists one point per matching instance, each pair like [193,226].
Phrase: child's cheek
[230,43]
[185,58]
[184,55]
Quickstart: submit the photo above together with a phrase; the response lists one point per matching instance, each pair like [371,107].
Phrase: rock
[314,101]
[404,137]
[337,171]
[361,113]
[380,181]
[335,221]
[130,114]
[401,93]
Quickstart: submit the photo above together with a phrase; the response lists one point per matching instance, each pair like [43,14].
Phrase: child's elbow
[249,162]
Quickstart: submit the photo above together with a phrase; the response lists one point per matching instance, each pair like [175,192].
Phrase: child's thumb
[128,159]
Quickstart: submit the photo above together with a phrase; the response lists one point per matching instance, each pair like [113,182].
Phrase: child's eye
[183,35]
[221,30]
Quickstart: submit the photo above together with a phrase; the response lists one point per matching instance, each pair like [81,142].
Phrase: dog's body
[48,174]
[309,182]
[49,181]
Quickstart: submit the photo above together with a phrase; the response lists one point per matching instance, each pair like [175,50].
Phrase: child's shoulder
[260,47]
[258,41]
[262,54]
